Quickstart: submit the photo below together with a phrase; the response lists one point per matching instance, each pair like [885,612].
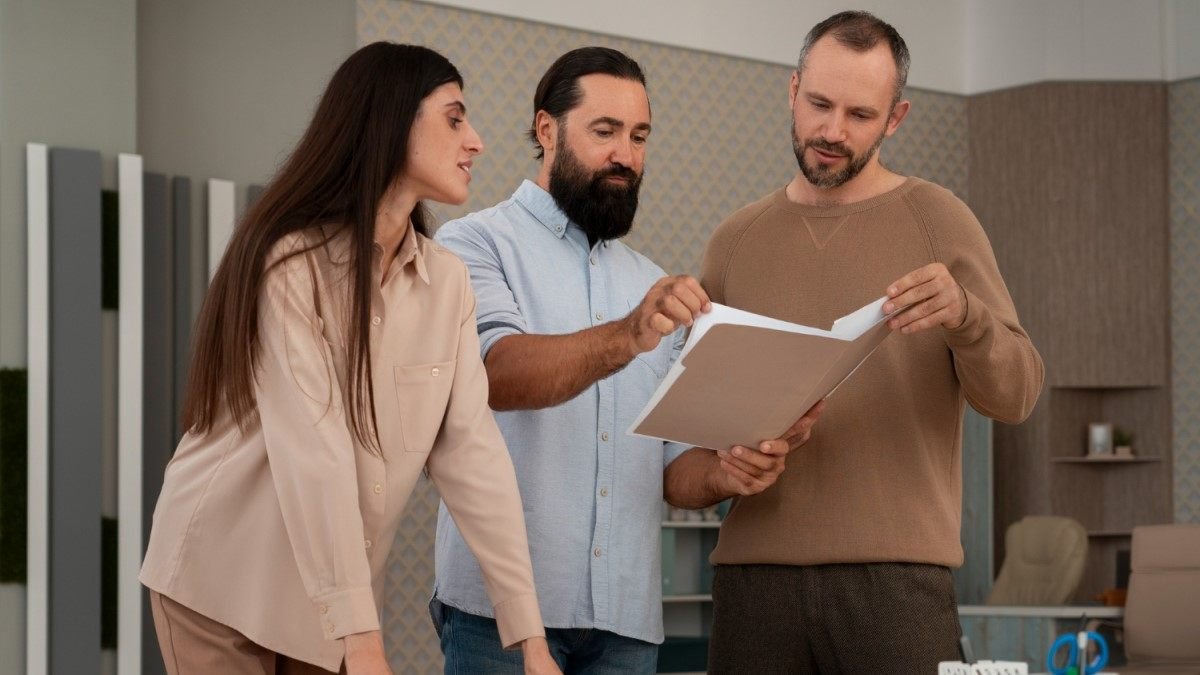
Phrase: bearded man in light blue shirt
[576,331]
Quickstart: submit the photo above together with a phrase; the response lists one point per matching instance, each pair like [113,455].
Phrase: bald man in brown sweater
[843,566]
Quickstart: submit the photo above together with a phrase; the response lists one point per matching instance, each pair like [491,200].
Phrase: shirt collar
[412,251]
[543,207]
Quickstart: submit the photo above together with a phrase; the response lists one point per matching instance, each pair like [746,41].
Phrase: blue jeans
[471,645]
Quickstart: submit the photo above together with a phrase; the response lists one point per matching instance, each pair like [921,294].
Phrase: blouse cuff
[347,612]
[519,619]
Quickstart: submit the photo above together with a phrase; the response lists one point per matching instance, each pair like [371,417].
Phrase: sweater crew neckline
[782,201]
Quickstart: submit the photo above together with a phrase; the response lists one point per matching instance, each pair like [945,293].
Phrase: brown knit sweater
[880,479]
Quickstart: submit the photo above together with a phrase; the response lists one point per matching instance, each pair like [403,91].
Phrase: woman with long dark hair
[334,360]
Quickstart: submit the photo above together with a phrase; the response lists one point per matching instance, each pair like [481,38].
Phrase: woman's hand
[365,656]
[537,657]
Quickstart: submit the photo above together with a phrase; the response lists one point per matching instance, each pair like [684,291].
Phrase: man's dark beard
[601,209]
[822,177]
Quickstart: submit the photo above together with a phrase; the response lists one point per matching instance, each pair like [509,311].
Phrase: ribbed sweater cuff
[973,326]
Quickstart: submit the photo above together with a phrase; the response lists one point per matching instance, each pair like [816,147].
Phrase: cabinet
[1078,222]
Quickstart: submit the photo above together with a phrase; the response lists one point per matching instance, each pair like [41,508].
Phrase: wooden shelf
[690,597]
[1107,459]
[692,524]
[1110,533]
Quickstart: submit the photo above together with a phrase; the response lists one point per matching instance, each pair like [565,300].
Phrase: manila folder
[743,378]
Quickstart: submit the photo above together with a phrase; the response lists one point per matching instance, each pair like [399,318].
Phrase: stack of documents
[743,378]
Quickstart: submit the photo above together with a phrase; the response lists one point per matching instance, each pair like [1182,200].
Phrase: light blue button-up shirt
[592,493]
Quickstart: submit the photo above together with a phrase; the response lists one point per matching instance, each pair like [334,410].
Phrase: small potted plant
[1122,442]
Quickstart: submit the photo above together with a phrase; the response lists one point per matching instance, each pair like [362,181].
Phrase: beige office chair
[1043,562]
[1162,612]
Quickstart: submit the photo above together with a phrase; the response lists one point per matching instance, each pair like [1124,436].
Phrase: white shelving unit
[687,576]
[688,598]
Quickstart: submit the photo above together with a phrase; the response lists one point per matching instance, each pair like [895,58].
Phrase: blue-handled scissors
[1077,644]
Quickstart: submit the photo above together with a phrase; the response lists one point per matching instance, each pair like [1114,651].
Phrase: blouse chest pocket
[422,393]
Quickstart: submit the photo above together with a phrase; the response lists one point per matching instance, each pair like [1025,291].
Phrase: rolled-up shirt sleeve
[473,472]
[497,314]
[310,452]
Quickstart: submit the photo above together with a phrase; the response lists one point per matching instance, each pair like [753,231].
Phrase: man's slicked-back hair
[559,92]
[861,31]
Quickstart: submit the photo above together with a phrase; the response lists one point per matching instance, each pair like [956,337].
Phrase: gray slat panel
[158,375]
[181,216]
[75,412]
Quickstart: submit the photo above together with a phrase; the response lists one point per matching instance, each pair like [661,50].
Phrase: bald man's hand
[749,471]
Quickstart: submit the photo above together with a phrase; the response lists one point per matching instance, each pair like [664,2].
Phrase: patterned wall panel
[720,140]
[932,141]
[412,645]
[1184,111]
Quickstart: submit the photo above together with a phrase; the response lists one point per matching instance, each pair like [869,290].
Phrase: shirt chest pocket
[422,394]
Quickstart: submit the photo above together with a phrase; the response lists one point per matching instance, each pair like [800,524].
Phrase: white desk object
[983,668]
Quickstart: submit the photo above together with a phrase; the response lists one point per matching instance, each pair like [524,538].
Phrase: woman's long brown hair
[353,151]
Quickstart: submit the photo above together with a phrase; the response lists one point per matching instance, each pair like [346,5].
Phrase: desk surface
[1055,612]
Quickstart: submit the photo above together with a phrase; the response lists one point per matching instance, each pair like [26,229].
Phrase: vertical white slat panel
[220,221]
[37,602]
[129,415]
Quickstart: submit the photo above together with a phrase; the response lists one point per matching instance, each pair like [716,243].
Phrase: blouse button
[436,371]
[367,543]
[376,321]
[378,488]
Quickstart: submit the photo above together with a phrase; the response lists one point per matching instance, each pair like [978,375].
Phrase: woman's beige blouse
[282,532]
